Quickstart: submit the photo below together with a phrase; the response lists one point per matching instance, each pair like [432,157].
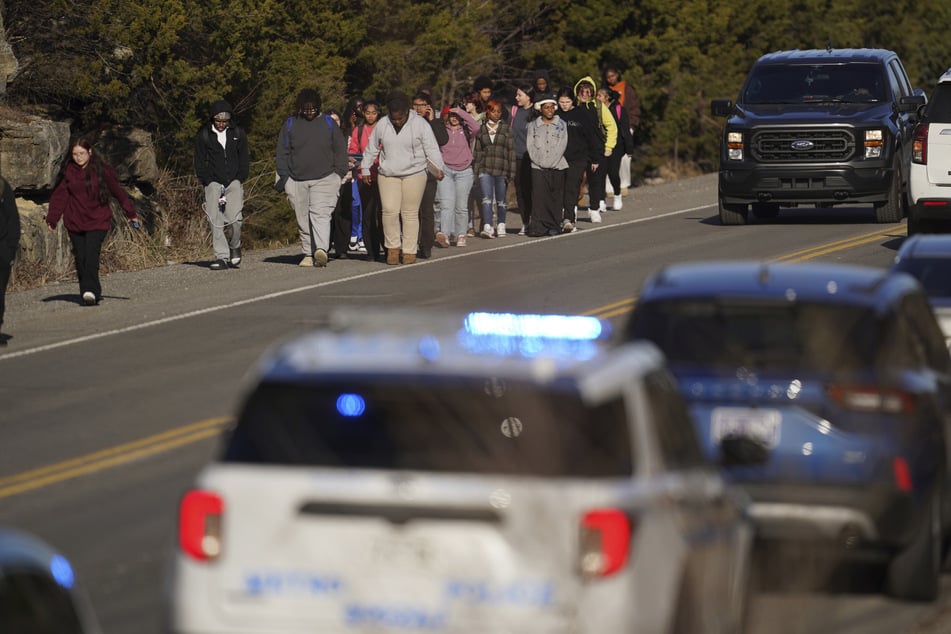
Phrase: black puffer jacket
[214,164]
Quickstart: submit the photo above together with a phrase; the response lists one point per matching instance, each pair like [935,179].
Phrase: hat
[220,110]
[222,116]
[543,98]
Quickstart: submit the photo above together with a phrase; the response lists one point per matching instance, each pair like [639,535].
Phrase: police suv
[486,473]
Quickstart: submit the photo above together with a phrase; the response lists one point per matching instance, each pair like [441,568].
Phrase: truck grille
[814,146]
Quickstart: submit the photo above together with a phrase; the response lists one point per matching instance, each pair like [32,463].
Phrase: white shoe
[602,207]
[500,230]
[353,244]
[487,231]
[89,298]
[522,231]
[595,215]
[307,260]
[361,247]
[567,227]
[617,203]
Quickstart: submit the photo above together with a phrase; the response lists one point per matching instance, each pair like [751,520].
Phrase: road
[108,412]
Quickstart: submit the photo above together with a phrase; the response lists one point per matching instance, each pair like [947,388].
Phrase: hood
[219,106]
[589,79]
[817,113]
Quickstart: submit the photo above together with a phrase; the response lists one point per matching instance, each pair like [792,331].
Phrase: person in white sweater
[407,148]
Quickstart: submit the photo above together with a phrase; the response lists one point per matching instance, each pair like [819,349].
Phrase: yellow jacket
[599,114]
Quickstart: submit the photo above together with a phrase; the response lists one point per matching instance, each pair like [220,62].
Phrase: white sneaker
[500,230]
[89,298]
[595,215]
[617,203]
[522,231]
[361,247]
[353,244]
[567,227]
[487,231]
[602,207]
[307,260]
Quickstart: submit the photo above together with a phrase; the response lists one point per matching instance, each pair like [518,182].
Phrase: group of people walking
[369,182]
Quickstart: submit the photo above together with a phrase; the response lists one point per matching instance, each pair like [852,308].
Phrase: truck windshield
[794,84]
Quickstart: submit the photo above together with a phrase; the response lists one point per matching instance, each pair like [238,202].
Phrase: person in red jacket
[81,198]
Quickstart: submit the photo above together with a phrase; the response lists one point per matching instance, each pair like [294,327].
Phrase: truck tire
[891,210]
[732,214]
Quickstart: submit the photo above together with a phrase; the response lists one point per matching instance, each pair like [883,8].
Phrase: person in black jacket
[625,140]
[9,240]
[423,106]
[221,164]
[584,151]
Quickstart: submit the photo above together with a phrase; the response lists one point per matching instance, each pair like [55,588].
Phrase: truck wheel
[732,214]
[915,572]
[891,209]
[914,222]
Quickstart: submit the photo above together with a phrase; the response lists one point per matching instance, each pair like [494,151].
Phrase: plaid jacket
[497,159]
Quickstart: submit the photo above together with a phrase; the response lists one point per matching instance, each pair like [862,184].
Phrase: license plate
[764,425]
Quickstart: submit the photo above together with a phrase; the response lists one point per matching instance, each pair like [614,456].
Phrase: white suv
[930,178]
[499,473]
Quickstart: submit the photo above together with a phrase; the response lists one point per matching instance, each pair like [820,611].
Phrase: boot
[409,258]
[392,256]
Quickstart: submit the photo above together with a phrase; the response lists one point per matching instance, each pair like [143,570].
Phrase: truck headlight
[734,146]
[874,142]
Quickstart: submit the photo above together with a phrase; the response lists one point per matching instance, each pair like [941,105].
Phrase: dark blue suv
[842,375]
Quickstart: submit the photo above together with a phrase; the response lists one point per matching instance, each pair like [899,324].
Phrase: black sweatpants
[427,217]
[372,220]
[4,279]
[523,188]
[573,178]
[548,195]
[87,247]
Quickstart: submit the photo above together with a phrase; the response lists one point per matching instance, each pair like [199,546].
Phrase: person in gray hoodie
[407,149]
[311,164]
[546,141]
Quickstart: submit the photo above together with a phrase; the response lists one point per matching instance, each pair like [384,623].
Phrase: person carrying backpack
[311,161]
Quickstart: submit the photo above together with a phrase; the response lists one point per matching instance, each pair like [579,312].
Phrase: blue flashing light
[565,327]
[429,348]
[351,405]
[62,572]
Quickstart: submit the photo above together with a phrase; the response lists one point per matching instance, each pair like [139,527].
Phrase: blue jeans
[453,192]
[492,187]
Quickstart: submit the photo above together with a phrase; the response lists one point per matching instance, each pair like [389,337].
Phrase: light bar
[564,327]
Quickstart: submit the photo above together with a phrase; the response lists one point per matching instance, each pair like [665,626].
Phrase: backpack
[290,120]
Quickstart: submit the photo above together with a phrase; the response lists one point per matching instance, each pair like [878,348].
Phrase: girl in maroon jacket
[81,198]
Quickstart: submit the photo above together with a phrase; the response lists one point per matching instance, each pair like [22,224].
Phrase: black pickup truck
[818,127]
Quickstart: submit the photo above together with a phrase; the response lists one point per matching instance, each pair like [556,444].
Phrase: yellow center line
[188,434]
[111,457]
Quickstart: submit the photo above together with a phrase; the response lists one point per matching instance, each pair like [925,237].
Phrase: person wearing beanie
[9,241]
[222,165]
[311,164]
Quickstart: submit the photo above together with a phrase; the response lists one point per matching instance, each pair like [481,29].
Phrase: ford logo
[802,144]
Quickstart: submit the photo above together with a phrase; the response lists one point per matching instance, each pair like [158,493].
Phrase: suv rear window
[939,107]
[766,335]
[801,83]
[433,424]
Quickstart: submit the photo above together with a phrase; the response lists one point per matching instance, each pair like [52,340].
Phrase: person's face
[541,85]
[453,120]
[565,103]
[548,111]
[371,114]
[522,99]
[309,110]
[81,155]
[398,118]
[220,124]
[585,93]
[603,97]
[611,77]
[422,108]
[486,94]
[493,113]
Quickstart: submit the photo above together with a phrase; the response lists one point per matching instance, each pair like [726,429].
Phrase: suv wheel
[915,572]
[732,213]
[891,209]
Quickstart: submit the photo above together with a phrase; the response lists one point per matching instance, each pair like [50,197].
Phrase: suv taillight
[605,542]
[919,144]
[870,398]
[199,524]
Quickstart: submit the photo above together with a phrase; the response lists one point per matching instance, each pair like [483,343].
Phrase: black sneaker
[218,265]
[236,257]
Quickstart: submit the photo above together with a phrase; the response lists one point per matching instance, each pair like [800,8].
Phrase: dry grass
[174,229]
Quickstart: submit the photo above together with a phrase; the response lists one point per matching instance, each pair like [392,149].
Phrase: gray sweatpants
[313,202]
[225,225]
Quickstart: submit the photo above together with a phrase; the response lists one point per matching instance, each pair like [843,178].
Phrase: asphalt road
[106,413]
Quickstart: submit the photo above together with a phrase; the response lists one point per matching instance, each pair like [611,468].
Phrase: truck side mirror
[721,107]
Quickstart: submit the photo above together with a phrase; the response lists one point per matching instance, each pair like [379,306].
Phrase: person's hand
[51,226]
[594,166]
[367,179]
[607,153]
[440,175]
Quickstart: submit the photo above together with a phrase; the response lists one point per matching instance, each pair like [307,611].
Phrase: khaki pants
[400,198]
